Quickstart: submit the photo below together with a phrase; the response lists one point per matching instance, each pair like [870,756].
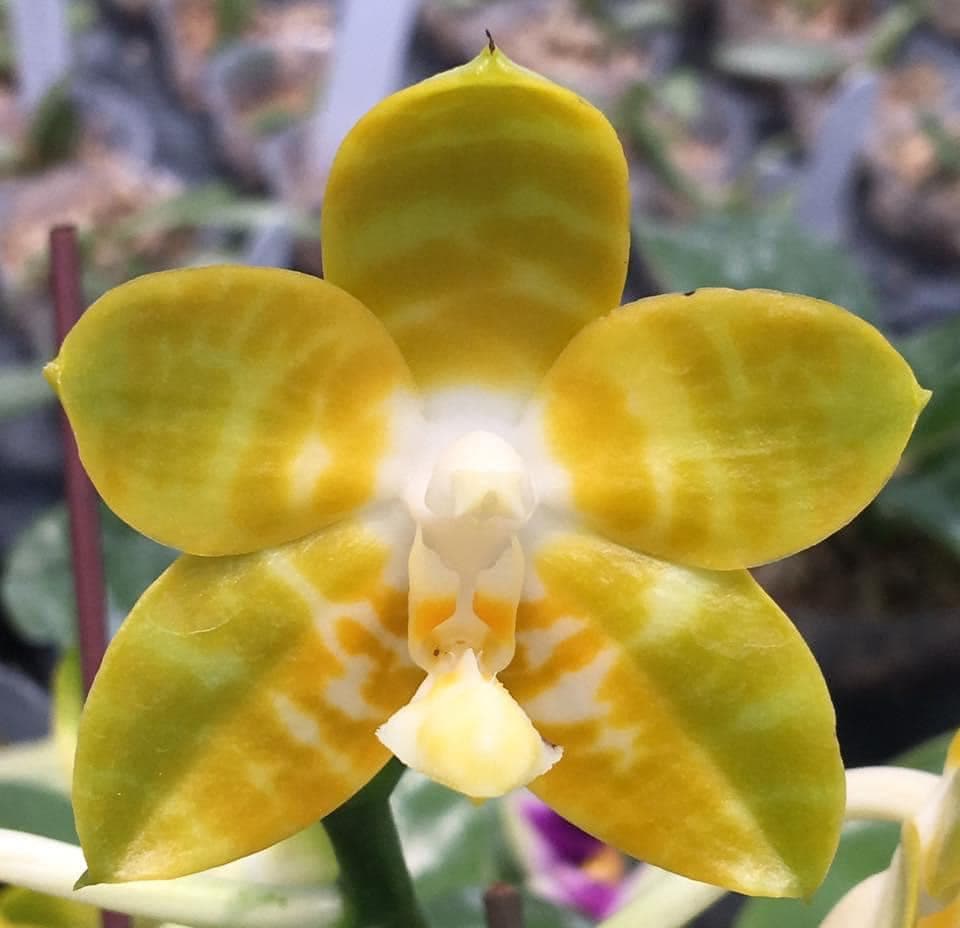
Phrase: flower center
[466,569]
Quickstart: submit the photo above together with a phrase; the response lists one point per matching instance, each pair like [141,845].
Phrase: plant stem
[86,554]
[376,885]
[503,906]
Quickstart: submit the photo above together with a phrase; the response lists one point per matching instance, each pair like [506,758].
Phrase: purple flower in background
[566,865]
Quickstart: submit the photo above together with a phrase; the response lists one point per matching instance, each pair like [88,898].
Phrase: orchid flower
[440,505]
[921,887]
[564,864]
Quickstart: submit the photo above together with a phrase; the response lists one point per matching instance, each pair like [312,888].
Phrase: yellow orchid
[921,887]
[440,505]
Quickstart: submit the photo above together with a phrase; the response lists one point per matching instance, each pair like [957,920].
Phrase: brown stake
[503,905]
[86,554]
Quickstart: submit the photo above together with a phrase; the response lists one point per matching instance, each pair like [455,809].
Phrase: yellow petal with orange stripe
[222,410]
[697,731]
[939,825]
[239,701]
[725,428]
[483,215]
[945,918]
[23,908]
[953,754]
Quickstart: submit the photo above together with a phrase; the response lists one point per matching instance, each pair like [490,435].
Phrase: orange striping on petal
[252,405]
[499,615]
[259,683]
[673,690]
[483,216]
[725,428]
[429,613]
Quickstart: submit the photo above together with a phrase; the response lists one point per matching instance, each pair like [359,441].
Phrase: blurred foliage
[865,848]
[37,587]
[234,18]
[636,15]
[784,61]
[946,145]
[215,205]
[890,29]
[464,909]
[448,841]
[38,808]
[926,491]
[637,118]
[742,249]
[54,131]
[22,390]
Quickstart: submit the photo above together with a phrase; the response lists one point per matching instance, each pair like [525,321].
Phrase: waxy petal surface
[945,918]
[222,410]
[697,731]
[941,836]
[483,215]
[725,428]
[239,701]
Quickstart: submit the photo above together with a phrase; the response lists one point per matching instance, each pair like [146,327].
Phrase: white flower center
[466,570]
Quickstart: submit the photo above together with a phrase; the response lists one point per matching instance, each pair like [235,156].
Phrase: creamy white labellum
[466,574]
[464,730]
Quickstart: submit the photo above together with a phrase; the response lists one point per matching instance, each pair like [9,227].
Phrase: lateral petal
[483,215]
[222,410]
[697,731]
[725,428]
[238,702]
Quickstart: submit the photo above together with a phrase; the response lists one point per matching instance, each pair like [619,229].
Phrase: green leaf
[934,355]
[37,809]
[865,848]
[54,131]
[742,250]
[448,841]
[37,588]
[929,755]
[465,910]
[926,492]
[22,389]
[780,61]
[213,204]
[929,501]
[233,18]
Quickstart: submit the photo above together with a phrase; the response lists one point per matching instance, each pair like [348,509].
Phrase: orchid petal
[698,733]
[239,700]
[939,826]
[221,410]
[945,918]
[483,215]
[205,901]
[725,428]
[860,905]
[888,899]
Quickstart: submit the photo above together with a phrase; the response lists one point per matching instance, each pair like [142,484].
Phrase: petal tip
[51,373]
[87,879]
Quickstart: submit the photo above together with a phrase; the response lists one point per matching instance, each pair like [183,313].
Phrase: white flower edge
[664,899]
[887,794]
[52,867]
